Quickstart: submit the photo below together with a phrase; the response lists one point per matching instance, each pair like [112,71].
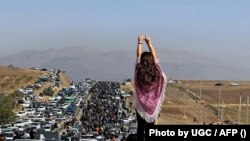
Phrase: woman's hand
[147,40]
[141,38]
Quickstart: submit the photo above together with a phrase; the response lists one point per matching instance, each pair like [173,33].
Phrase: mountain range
[117,65]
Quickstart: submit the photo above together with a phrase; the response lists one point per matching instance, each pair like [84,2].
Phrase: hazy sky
[216,28]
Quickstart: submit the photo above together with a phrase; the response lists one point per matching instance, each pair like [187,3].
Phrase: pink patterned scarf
[149,100]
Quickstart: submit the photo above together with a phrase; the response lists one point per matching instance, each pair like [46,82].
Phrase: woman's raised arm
[151,47]
[141,38]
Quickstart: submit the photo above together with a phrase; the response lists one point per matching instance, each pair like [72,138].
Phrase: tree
[6,113]
[7,104]
[16,95]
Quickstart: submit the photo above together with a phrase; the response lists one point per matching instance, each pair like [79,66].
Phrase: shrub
[49,91]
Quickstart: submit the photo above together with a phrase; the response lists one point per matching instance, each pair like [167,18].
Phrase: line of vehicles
[47,115]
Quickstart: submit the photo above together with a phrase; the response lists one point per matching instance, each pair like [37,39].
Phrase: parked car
[35,68]
[234,84]
[38,85]
[127,120]
[41,108]
[58,111]
[37,125]
[30,111]
[19,123]
[9,136]
[37,114]
[47,128]
[26,105]
[21,113]
[5,129]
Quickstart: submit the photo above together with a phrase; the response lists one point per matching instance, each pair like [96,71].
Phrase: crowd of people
[105,112]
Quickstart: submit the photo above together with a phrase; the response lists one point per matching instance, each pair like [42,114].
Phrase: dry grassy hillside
[179,108]
[230,94]
[13,78]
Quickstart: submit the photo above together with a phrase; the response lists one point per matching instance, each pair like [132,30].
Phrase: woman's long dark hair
[147,72]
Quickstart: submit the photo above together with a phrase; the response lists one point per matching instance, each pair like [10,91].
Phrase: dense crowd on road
[107,114]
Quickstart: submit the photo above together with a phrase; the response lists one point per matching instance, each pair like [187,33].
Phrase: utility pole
[239,114]
[168,95]
[200,88]
[222,112]
[220,95]
[219,104]
[178,74]
[187,82]
[247,110]
[199,111]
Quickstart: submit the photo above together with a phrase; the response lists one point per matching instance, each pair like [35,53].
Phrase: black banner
[198,132]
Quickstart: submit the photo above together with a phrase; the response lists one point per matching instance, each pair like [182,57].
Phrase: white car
[126,95]
[47,128]
[21,113]
[41,108]
[170,82]
[27,121]
[14,128]
[30,111]
[127,120]
[19,123]
[37,114]
[36,124]
[78,103]
[234,84]
[56,98]
[38,119]
[28,91]
[26,105]
[38,85]
[65,105]
[58,111]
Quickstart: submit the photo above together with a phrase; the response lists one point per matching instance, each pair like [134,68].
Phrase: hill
[12,78]
[117,65]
